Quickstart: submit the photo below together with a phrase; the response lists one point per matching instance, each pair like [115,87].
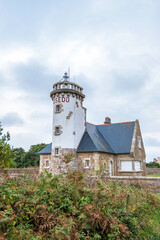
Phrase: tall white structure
[115,149]
[69,120]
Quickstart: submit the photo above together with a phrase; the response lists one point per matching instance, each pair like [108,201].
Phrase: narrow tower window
[56,151]
[57,130]
[58,108]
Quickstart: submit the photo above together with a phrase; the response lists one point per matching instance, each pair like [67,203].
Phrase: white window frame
[47,163]
[123,169]
[57,151]
[139,169]
[58,105]
[87,163]
[57,132]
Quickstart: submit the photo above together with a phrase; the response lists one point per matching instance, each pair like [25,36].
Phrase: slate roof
[111,138]
[115,138]
[46,150]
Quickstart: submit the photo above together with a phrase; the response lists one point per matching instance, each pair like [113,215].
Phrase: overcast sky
[112,48]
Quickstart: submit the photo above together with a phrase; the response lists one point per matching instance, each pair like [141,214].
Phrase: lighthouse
[69,120]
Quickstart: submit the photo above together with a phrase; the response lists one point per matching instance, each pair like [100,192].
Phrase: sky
[112,48]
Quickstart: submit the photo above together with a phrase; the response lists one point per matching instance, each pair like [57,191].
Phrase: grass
[153,175]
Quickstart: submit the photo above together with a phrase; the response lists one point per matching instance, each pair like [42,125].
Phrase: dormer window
[139,142]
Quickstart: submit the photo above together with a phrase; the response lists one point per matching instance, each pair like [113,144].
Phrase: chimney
[107,120]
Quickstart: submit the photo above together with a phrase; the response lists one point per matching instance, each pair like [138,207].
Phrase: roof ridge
[110,123]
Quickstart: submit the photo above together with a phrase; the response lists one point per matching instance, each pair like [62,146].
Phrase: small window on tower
[57,130]
[58,108]
[56,151]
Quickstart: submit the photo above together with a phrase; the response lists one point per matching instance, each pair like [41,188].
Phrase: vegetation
[6,153]
[71,207]
[153,175]
[153,165]
[28,159]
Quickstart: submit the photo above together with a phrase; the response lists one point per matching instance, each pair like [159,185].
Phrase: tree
[19,153]
[6,153]
[153,165]
[31,158]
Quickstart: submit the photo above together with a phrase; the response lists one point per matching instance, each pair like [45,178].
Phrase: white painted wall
[76,123]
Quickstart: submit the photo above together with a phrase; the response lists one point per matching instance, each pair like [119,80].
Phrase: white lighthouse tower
[69,120]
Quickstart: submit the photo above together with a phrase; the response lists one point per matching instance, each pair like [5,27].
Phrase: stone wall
[14,172]
[151,184]
[152,170]
[97,162]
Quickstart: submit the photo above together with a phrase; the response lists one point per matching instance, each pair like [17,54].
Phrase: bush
[72,207]
[153,165]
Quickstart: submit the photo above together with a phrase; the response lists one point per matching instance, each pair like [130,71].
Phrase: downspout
[115,165]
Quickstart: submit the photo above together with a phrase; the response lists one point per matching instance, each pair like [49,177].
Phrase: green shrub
[72,207]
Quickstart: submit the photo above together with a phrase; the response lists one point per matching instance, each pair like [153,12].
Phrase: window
[56,151]
[137,165]
[126,166]
[87,165]
[58,108]
[47,163]
[139,142]
[57,130]
[72,86]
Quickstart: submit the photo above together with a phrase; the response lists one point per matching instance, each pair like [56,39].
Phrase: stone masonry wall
[152,170]
[151,184]
[14,172]
[97,161]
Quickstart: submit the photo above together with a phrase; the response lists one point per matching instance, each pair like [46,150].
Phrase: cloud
[12,119]
[112,48]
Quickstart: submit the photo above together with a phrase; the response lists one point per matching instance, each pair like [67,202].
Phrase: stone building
[156,160]
[115,149]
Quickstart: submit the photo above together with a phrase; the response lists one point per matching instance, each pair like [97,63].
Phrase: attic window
[139,142]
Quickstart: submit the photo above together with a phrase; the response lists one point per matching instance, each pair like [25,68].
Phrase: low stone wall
[151,184]
[14,172]
[152,170]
